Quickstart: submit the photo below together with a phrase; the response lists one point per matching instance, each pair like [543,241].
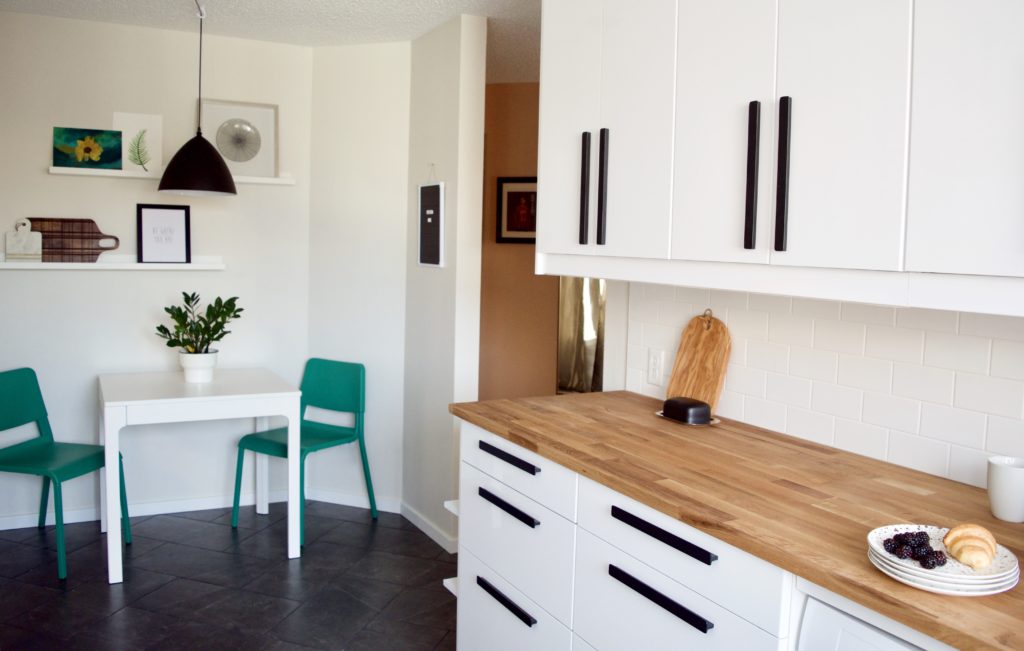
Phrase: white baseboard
[437,534]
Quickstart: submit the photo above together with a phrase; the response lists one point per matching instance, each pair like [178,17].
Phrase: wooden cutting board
[699,369]
[72,240]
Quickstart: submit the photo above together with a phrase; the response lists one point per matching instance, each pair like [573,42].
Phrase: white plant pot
[198,367]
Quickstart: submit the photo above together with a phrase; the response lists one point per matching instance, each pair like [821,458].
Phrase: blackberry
[939,558]
[889,545]
[919,552]
[920,537]
[928,563]
[904,551]
[901,539]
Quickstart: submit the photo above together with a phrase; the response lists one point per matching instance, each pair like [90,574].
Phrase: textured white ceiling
[513,26]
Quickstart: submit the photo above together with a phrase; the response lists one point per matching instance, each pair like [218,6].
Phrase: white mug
[1006,488]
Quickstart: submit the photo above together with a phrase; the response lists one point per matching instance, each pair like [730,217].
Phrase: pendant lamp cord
[199,104]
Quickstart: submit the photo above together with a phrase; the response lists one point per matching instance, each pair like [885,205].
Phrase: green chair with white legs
[21,403]
[326,384]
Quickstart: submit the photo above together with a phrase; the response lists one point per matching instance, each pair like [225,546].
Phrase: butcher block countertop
[804,507]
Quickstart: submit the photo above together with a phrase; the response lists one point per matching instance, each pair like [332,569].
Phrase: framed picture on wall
[517,209]
[245,134]
[163,233]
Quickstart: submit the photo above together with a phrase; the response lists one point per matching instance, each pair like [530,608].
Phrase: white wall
[443,304]
[358,224]
[932,390]
[69,325]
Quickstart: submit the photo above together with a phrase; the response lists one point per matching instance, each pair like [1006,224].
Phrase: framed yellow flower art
[95,148]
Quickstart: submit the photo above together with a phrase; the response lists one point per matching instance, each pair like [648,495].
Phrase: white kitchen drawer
[552,485]
[748,586]
[827,628]
[578,644]
[499,617]
[495,524]
[622,604]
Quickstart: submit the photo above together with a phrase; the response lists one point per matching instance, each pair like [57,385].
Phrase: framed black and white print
[163,233]
[245,134]
[517,210]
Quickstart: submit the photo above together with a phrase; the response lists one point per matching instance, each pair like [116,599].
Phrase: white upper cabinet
[726,61]
[845,64]
[607,74]
[966,202]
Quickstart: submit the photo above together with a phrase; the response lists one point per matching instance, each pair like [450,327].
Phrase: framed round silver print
[244,133]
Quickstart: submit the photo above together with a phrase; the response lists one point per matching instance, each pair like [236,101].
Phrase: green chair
[326,384]
[21,403]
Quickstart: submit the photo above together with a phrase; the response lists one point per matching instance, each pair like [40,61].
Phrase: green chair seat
[326,384]
[21,403]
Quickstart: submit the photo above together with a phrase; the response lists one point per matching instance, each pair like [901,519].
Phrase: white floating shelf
[120,263]
[452,584]
[131,174]
[452,507]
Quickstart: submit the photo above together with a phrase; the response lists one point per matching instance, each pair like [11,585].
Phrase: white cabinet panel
[726,59]
[826,628]
[846,66]
[966,202]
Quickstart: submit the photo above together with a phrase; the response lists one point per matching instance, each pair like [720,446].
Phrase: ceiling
[513,26]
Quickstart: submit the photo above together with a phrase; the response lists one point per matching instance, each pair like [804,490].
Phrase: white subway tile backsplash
[840,336]
[968,466]
[865,373]
[918,453]
[892,412]
[659,292]
[989,394]
[814,364]
[959,426]
[748,381]
[923,383]
[730,405]
[641,309]
[738,352]
[811,425]
[990,325]
[750,324]
[1008,359]
[769,415]
[768,356]
[636,357]
[861,438]
[635,333]
[660,337]
[770,303]
[959,353]
[789,390]
[816,309]
[723,299]
[921,319]
[836,400]
[674,314]
[699,298]
[897,344]
[1005,436]
[789,329]
[873,314]
[634,380]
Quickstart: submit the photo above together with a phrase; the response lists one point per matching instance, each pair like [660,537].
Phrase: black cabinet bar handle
[500,597]
[528,520]
[753,142]
[659,534]
[525,466]
[585,188]
[782,187]
[602,186]
[646,591]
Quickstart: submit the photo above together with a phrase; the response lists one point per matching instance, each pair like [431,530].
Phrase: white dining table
[128,399]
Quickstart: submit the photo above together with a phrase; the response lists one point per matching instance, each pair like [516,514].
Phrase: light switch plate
[655,367]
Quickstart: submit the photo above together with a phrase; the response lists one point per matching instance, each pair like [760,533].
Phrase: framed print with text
[163,233]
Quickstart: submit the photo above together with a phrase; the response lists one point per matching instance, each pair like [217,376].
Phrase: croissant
[971,544]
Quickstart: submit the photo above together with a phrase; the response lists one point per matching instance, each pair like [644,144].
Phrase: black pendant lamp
[197,168]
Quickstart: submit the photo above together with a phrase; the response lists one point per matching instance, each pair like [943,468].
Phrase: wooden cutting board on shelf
[72,240]
[699,369]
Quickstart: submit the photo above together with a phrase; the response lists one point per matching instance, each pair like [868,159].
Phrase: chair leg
[366,476]
[126,523]
[58,514]
[43,502]
[302,499]
[238,487]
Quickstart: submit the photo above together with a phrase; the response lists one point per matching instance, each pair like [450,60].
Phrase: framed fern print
[141,143]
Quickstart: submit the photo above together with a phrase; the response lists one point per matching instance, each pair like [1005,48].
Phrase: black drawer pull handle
[782,187]
[602,185]
[670,539]
[525,466]
[500,597]
[649,593]
[753,147]
[528,520]
[585,187]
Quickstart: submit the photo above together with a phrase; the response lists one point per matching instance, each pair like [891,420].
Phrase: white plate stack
[953,578]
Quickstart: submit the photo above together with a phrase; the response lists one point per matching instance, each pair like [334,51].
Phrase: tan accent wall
[518,310]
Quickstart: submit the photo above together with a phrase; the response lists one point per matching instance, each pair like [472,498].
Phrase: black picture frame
[517,210]
[163,234]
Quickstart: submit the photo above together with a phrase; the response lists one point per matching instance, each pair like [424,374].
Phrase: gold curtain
[580,358]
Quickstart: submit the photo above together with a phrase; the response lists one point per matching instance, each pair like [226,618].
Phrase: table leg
[103,482]
[114,419]
[294,511]
[262,472]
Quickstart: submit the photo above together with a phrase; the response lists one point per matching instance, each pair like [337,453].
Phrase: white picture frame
[245,134]
[130,124]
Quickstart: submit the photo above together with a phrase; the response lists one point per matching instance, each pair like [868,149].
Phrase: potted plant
[195,330]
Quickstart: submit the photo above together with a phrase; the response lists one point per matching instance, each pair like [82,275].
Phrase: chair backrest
[21,402]
[338,386]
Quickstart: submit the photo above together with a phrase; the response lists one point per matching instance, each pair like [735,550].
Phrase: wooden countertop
[802,506]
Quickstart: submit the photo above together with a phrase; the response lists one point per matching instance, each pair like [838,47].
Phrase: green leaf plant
[137,152]
[195,330]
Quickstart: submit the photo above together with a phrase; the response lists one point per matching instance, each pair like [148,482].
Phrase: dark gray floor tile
[326,621]
[421,607]
[384,539]
[185,531]
[63,618]
[375,594]
[17,598]
[111,598]
[87,564]
[180,597]
[272,541]
[355,514]
[397,637]
[246,610]
[16,559]
[206,515]
[249,519]
[301,578]
[76,535]
[189,636]
[446,644]
[203,565]
[404,570]
[19,639]
[128,628]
